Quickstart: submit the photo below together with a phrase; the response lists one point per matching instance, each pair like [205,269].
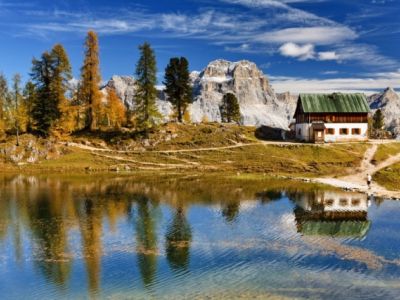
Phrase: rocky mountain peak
[258,102]
[390,92]
[389,103]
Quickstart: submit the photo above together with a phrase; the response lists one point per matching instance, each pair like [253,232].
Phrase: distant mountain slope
[389,102]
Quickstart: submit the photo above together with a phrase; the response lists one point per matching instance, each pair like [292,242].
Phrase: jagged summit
[389,102]
[258,102]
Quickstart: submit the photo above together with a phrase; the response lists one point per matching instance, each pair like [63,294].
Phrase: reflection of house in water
[333,214]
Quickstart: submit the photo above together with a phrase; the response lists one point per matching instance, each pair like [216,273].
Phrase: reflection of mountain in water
[337,214]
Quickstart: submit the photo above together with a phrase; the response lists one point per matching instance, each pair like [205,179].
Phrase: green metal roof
[333,103]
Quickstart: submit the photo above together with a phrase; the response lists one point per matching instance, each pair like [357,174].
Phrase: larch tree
[230,109]
[4,94]
[115,111]
[61,74]
[89,92]
[17,112]
[146,113]
[177,85]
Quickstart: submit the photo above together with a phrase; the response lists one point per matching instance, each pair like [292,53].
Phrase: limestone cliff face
[258,102]
[289,101]
[389,102]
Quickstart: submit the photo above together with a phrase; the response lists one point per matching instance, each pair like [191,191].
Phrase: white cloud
[241,32]
[368,85]
[306,52]
[301,52]
[309,35]
[365,54]
[333,72]
[328,55]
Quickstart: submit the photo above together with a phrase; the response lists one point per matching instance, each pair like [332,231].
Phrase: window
[355,202]
[329,202]
[356,131]
[330,131]
[319,134]
[343,202]
[344,131]
[299,131]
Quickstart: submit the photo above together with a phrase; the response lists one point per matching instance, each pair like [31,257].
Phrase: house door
[319,136]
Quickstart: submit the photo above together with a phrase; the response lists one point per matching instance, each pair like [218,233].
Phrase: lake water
[177,237]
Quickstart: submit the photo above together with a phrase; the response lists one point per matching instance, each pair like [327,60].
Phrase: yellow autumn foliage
[114,110]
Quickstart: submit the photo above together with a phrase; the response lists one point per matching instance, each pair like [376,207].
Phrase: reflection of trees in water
[48,208]
[50,238]
[230,210]
[178,239]
[146,238]
[90,224]
[269,196]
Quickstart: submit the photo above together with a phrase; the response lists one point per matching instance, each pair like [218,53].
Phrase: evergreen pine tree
[146,112]
[42,109]
[50,75]
[177,85]
[378,120]
[29,94]
[230,109]
[89,92]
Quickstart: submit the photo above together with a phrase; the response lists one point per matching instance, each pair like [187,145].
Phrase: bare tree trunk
[17,136]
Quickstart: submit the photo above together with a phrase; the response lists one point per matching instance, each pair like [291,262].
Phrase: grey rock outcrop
[289,101]
[389,103]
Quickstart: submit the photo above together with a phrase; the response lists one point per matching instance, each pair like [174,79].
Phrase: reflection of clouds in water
[236,246]
[287,223]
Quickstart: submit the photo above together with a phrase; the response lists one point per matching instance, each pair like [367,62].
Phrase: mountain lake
[194,237]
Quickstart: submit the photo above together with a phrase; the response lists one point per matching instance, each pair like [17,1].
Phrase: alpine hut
[334,117]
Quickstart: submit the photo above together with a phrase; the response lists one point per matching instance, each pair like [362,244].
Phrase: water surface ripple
[196,237]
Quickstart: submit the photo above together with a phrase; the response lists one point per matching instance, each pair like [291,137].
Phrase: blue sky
[301,45]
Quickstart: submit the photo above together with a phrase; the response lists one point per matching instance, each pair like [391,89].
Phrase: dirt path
[357,181]
[143,164]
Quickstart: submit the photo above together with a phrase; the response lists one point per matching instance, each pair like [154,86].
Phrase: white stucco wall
[304,132]
[336,202]
[337,137]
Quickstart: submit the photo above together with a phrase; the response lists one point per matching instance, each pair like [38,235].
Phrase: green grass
[389,177]
[253,158]
[288,160]
[172,136]
[385,151]
[75,160]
